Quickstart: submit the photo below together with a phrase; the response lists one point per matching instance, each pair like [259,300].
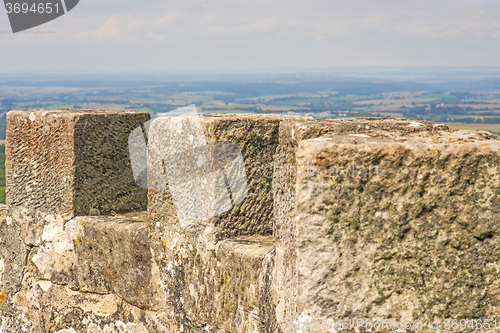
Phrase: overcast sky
[133,35]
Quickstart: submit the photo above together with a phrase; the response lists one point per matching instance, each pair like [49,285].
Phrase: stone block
[72,162]
[398,227]
[42,307]
[256,136]
[225,285]
[103,255]
[294,131]
[13,251]
[233,291]
[291,134]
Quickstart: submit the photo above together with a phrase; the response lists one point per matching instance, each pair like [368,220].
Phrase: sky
[166,35]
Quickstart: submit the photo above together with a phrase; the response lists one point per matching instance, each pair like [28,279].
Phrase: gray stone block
[102,255]
[72,162]
[257,138]
[401,227]
[291,134]
[42,307]
[224,285]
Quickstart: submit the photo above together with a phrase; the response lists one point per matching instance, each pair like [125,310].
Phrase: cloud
[128,28]
[187,34]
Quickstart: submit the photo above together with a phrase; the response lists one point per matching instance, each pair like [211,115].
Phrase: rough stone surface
[100,255]
[13,252]
[200,271]
[72,162]
[257,138]
[291,134]
[46,307]
[294,131]
[218,285]
[93,274]
[399,226]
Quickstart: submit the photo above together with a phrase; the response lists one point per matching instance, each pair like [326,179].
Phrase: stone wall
[371,218]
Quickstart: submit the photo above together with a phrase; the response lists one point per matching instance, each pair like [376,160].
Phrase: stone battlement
[381,219]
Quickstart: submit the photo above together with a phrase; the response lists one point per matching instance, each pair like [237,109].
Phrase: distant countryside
[464,99]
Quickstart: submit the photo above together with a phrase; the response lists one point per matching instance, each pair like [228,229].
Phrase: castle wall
[378,218]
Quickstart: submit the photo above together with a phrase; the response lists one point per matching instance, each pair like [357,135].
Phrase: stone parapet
[381,219]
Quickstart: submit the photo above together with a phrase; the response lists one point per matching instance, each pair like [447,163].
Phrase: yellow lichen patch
[227,277]
[164,241]
[77,241]
[230,307]
[3,297]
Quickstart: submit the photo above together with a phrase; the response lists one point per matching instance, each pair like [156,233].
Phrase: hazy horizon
[410,73]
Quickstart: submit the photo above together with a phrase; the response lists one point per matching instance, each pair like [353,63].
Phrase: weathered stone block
[232,291]
[195,259]
[72,162]
[404,227]
[291,134]
[225,285]
[294,131]
[257,138]
[100,255]
[13,253]
[42,307]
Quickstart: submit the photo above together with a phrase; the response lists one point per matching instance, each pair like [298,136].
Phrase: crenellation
[429,214]
[69,162]
[380,218]
[291,135]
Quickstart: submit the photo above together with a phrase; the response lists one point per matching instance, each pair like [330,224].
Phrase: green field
[494,128]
